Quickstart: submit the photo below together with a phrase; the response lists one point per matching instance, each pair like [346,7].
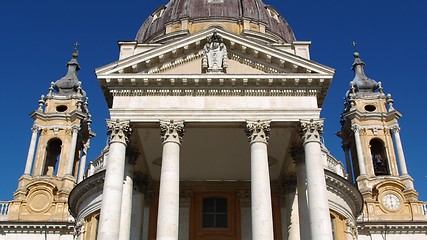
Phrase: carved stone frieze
[172,131]
[119,131]
[258,131]
[311,130]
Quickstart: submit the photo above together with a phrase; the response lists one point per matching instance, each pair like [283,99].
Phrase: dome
[250,17]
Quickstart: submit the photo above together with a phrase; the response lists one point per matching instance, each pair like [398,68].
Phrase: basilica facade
[215,133]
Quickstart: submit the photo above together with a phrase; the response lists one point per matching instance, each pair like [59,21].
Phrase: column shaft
[109,222]
[400,154]
[360,158]
[31,151]
[348,163]
[320,222]
[291,201]
[126,212]
[72,153]
[304,218]
[168,212]
[137,215]
[82,167]
[262,217]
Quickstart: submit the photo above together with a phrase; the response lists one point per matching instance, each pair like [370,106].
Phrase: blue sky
[37,40]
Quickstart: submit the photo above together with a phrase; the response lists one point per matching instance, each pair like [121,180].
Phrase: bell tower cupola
[56,157]
[375,159]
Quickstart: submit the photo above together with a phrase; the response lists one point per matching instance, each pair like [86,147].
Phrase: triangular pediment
[184,56]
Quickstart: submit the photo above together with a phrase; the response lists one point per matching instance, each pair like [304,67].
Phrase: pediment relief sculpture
[215,59]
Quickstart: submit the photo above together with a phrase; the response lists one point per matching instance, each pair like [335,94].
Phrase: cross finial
[76,50]
[354,44]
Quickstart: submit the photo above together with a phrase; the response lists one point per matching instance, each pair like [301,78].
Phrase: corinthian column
[31,149]
[320,222]
[360,160]
[109,222]
[262,219]
[168,213]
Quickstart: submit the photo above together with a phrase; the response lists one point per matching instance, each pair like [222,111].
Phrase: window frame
[232,231]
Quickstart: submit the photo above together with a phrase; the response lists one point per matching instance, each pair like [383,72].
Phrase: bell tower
[57,153]
[375,159]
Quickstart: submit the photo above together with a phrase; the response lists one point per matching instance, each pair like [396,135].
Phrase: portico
[224,136]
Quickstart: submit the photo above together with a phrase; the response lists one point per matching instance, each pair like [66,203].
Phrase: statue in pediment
[215,55]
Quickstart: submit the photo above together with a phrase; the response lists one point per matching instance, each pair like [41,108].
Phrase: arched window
[53,152]
[379,157]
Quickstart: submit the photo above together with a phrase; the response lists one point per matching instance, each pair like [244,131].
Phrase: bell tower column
[31,150]
[109,222]
[359,151]
[72,154]
[320,222]
[399,150]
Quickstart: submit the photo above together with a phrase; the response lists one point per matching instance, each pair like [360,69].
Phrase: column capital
[172,131]
[311,130]
[119,131]
[355,128]
[35,129]
[395,129]
[75,128]
[258,131]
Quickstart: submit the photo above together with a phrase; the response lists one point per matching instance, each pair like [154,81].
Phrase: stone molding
[84,189]
[234,41]
[119,131]
[171,131]
[311,130]
[346,190]
[258,131]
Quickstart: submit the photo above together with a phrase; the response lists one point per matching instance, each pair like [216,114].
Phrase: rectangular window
[215,213]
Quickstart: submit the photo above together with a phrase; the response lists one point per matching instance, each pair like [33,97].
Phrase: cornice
[37,227]
[89,185]
[349,191]
[380,116]
[393,227]
[58,116]
[198,39]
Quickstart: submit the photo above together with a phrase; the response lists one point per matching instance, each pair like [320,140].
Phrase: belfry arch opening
[53,153]
[379,157]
